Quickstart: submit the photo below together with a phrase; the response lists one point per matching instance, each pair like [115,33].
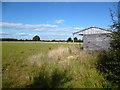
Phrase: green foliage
[53,40]
[115,43]
[69,39]
[8,39]
[75,39]
[114,54]
[110,65]
[79,40]
[36,38]
[54,79]
[109,62]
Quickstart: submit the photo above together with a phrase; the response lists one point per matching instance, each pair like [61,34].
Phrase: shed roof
[93,30]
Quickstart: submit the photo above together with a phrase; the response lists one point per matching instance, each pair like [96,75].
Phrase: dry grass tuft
[63,56]
[82,56]
[36,59]
[76,64]
[58,53]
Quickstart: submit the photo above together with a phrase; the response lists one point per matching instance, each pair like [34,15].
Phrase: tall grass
[17,70]
[58,70]
[48,65]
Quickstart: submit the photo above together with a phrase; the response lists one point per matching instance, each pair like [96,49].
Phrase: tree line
[37,38]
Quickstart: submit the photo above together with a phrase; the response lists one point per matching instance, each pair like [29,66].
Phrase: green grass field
[26,65]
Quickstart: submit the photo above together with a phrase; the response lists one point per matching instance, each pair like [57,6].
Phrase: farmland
[46,65]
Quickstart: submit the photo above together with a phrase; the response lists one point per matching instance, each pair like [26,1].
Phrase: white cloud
[62,29]
[12,25]
[27,26]
[55,30]
[59,21]
[78,28]
[68,29]
[42,29]
[48,25]
[54,36]
[4,33]
[23,34]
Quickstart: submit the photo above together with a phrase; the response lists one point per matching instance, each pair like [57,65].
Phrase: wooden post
[73,40]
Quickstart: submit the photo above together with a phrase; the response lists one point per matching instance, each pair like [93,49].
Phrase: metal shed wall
[96,42]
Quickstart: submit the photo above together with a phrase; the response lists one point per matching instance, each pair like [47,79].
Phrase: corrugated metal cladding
[95,38]
[96,42]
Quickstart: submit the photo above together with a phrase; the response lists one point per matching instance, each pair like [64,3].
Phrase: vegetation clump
[109,61]
[36,38]
[60,71]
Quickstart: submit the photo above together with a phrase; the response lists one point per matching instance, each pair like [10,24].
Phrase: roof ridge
[93,27]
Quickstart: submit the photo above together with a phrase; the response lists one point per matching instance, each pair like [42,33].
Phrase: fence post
[73,40]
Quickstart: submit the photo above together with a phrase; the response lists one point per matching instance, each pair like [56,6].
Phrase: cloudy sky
[52,20]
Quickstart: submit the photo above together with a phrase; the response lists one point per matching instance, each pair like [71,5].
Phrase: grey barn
[94,38]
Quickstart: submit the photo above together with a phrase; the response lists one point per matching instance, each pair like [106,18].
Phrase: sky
[53,20]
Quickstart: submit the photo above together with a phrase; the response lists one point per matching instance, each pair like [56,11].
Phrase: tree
[112,65]
[8,39]
[53,40]
[115,43]
[110,61]
[26,40]
[36,38]
[69,39]
[75,39]
[20,40]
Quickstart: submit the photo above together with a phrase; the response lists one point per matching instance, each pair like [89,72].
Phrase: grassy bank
[49,65]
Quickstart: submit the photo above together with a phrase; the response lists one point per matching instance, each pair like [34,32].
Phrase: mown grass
[49,65]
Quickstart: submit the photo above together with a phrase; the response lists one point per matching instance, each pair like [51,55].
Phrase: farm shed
[95,38]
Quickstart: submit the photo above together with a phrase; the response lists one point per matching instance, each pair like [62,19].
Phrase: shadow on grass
[54,80]
[109,65]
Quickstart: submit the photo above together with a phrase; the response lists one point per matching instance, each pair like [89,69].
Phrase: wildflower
[70,57]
